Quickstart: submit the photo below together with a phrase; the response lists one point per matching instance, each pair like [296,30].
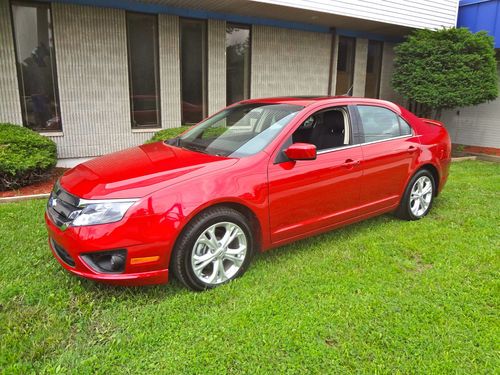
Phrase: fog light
[106,261]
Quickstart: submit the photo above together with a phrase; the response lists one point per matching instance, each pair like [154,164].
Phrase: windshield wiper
[191,147]
[173,141]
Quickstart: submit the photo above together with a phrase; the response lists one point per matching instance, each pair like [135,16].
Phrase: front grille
[61,206]
[66,258]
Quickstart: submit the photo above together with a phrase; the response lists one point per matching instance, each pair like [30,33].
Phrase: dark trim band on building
[196,13]
[134,6]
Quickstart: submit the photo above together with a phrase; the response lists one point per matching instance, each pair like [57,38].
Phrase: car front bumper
[78,241]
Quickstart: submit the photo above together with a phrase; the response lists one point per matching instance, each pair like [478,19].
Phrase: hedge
[25,156]
[169,133]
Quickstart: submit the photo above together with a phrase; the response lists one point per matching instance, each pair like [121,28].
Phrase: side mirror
[301,151]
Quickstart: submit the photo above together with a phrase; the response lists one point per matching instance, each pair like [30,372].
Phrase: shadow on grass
[301,246]
[102,291]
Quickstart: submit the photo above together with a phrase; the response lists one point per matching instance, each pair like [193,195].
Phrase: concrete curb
[464,158]
[23,198]
[482,157]
[486,157]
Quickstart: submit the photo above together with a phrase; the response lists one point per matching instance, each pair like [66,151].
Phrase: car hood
[139,171]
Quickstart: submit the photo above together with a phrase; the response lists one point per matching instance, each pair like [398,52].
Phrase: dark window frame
[352,65]
[250,41]
[19,77]
[157,73]
[379,72]
[204,68]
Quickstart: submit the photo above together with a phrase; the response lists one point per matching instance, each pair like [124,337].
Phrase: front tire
[418,196]
[214,248]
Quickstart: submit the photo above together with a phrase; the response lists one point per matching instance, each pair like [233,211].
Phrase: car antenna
[349,92]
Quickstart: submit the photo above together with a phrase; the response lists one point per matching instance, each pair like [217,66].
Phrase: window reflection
[345,65]
[373,67]
[36,66]
[142,37]
[381,123]
[193,70]
[237,63]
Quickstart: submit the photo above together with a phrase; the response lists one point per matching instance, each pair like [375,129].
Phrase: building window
[142,37]
[193,70]
[36,68]
[373,69]
[345,65]
[237,63]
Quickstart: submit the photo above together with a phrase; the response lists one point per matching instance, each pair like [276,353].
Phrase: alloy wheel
[219,253]
[421,196]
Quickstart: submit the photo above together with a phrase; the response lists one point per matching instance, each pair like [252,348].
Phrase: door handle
[412,149]
[349,163]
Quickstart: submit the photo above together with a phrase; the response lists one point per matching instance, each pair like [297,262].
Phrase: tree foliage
[447,68]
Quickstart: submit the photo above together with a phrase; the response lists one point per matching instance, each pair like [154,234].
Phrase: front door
[308,195]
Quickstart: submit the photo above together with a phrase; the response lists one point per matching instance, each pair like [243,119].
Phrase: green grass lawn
[381,296]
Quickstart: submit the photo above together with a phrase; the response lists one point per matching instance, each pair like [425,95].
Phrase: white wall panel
[170,70]
[360,61]
[475,126]
[419,14]
[216,65]
[10,107]
[91,53]
[289,62]
[386,90]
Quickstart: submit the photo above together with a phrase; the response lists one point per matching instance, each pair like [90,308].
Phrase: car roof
[305,101]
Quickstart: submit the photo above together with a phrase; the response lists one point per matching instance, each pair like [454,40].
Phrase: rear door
[390,149]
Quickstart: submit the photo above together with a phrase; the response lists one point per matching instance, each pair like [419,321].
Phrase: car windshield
[239,131]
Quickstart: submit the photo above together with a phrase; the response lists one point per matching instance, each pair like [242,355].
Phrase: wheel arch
[237,206]
[435,174]
[249,214]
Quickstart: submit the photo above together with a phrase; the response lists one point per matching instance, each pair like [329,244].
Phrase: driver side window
[326,129]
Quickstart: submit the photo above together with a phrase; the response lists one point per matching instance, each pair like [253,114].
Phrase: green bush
[446,68]
[25,156]
[169,133]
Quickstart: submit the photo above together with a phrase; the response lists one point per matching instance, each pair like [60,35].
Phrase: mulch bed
[42,187]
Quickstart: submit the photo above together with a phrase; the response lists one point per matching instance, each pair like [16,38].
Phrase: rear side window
[381,123]
[405,127]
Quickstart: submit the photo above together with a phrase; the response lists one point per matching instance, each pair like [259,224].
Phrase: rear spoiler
[432,122]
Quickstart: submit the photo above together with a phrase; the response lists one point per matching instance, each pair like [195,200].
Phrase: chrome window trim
[388,139]
[326,151]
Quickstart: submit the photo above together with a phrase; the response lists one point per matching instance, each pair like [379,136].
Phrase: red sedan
[259,174]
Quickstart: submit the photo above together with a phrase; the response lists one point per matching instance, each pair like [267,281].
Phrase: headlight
[101,212]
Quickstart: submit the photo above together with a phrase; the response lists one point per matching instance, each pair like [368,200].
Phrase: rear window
[381,123]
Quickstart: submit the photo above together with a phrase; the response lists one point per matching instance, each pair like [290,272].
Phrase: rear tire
[214,248]
[418,196]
